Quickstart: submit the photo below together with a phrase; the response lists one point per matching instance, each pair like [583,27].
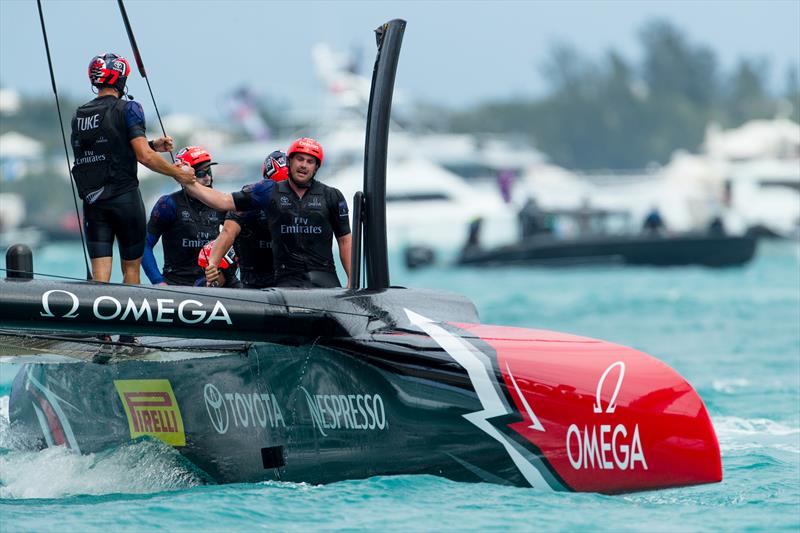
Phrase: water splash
[137,467]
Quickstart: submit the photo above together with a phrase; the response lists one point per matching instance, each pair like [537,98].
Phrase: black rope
[64,138]
[139,63]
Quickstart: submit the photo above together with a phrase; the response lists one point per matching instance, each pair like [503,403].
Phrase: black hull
[706,250]
[356,385]
[308,413]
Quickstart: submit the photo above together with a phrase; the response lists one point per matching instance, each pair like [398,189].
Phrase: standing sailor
[248,232]
[186,225]
[108,138]
[304,216]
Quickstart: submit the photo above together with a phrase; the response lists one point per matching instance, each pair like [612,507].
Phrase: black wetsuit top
[105,163]
[105,175]
[302,229]
[185,225]
[253,246]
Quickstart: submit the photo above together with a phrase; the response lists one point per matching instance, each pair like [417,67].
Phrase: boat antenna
[389,37]
[139,63]
[64,138]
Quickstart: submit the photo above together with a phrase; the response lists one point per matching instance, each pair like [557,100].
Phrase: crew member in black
[249,233]
[108,138]
[186,225]
[304,216]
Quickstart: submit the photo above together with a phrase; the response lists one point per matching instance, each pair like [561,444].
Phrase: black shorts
[122,217]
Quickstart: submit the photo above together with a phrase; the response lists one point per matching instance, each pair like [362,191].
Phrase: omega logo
[46,304]
[612,403]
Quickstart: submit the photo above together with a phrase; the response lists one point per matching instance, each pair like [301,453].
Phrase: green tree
[745,96]
[672,67]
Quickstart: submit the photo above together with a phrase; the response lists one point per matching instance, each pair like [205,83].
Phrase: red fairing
[607,418]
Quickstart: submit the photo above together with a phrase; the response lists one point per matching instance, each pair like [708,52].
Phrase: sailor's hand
[160,283]
[212,276]
[185,174]
[164,144]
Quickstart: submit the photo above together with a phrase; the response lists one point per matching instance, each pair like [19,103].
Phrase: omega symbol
[612,403]
[46,304]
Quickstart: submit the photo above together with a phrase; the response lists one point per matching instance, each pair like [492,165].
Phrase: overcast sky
[454,52]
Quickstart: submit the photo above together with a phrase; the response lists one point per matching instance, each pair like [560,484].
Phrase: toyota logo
[216,408]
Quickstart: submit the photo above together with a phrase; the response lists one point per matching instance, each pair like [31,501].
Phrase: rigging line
[139,63]
[84,248]
[161,288]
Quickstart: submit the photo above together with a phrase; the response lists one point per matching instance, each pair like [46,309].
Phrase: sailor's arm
[149,263]
[218,200]
[148,157]
[345,245]
[256,197]
[223,243]
[162,216]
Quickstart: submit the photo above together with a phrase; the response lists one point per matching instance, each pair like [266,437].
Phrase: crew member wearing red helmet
[304,216]
[248,232]
[108,138]
[186,226]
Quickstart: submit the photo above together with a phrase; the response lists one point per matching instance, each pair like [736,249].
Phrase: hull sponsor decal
[152,409]
[487,389]
[603,446]
[241,409]
[364,412]
[163,310]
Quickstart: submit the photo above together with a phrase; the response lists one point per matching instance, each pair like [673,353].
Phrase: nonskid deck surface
[28,346]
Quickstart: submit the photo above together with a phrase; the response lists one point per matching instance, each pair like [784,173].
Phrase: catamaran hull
[465,401]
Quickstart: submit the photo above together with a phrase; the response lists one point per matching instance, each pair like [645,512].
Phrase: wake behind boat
[321,385]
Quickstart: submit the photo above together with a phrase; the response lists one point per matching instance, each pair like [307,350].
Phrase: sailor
[227,266]
[108,138]
[304,215]
[186,225]
[248,232]
[473,241]
[653,223]
[529,218]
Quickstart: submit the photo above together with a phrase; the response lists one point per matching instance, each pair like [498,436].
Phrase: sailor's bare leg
[101,268]
[131,271]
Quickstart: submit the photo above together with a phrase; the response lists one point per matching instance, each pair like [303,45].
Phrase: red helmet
[109,70]
[228,260]
[274,167]
[195,156]
[306,145]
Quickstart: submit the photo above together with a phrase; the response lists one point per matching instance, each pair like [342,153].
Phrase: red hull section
[604,417]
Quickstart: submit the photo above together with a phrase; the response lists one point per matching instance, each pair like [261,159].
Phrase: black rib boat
[655,250]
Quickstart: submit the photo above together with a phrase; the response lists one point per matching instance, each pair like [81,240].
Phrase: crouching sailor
[185,226]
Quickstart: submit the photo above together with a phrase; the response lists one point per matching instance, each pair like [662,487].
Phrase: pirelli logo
[152,409]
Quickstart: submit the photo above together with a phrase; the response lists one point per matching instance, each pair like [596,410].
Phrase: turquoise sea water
[734,334]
